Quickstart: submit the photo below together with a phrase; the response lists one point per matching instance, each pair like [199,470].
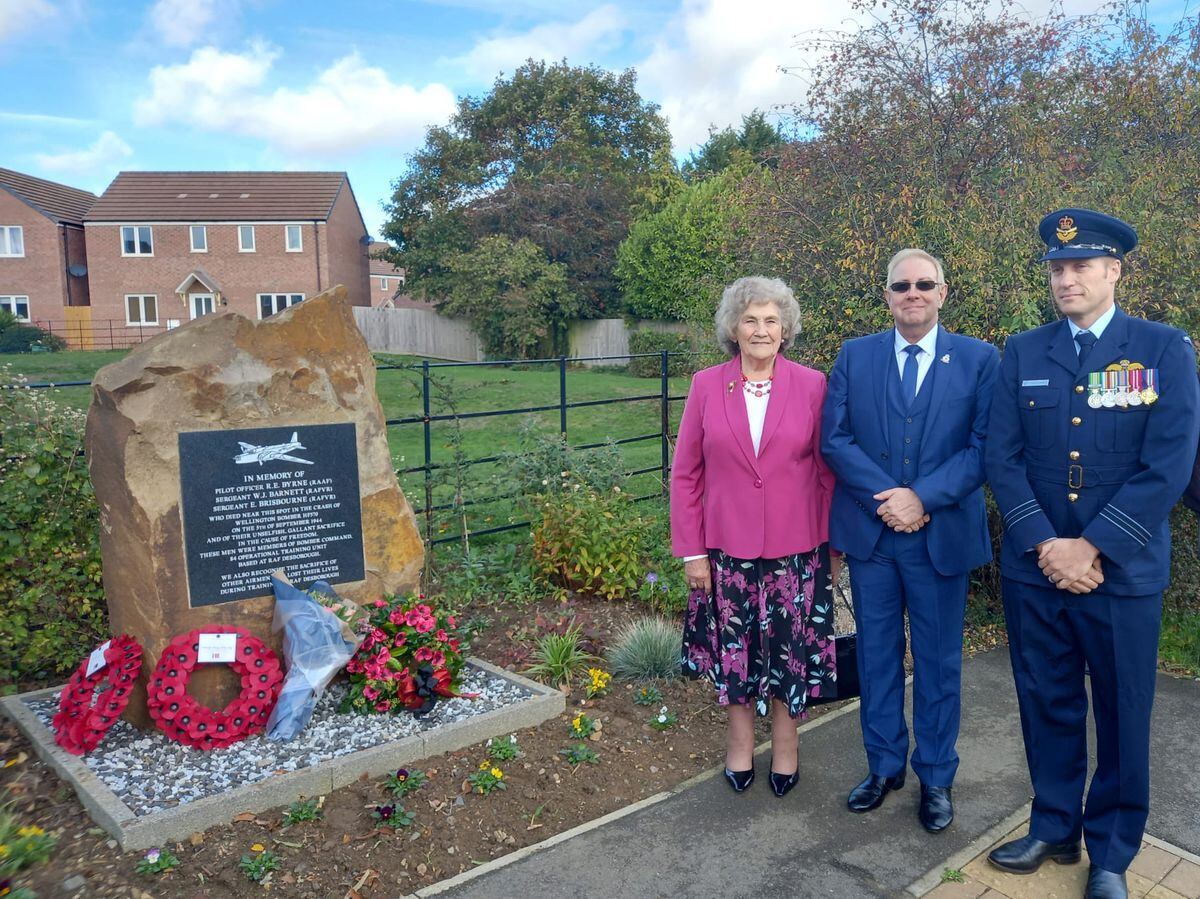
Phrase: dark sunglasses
[922,285]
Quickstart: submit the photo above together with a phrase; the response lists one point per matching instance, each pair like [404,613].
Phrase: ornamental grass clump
[646,649]
[559,657]
[411,656]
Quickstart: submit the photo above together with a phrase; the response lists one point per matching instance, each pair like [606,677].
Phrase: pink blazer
[722,495]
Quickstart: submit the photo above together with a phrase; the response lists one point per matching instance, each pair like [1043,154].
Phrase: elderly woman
[750,498]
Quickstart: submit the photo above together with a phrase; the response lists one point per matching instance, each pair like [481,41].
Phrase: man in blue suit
[1091,442]
[903,429]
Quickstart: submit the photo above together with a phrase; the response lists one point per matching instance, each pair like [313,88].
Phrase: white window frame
[142,297]
[192,238]
[299,247]
[291,297]
[9,304]
[6,248]
[136,241]
[242,248]
[383,283]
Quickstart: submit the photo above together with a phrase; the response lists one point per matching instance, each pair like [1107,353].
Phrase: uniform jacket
[1061,468]
[722,495]
[950,472]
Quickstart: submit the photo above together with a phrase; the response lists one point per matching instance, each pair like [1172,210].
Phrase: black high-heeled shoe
[783,783]
[740,780]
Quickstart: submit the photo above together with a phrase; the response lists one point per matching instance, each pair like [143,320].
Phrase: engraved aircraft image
[276,452]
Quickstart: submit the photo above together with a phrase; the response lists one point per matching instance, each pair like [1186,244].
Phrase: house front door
[202,304]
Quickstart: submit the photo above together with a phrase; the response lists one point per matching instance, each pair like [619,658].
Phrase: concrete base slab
[133,831]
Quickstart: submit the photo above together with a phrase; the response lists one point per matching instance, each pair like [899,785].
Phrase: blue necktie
[1086,340]
[908,378]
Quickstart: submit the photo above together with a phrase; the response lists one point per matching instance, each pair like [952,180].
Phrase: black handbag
[846,646]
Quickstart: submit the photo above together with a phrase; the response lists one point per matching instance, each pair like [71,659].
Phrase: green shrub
[656,342]
[590,542]
[559,657]
[21,338]
[52,608]
[547,463]
[647,649]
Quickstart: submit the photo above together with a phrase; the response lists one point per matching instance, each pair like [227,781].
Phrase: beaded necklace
[757,388]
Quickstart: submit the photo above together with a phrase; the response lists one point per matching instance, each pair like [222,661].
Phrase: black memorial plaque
[259,499]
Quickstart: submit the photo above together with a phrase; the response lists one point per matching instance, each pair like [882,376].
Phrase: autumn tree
[556,156]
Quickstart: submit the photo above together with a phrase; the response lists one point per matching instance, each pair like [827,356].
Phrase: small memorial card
[217,648]
[96,659]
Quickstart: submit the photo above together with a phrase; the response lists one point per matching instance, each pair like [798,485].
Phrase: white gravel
[150,773]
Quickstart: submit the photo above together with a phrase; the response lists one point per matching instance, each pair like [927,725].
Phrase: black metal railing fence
[429,465]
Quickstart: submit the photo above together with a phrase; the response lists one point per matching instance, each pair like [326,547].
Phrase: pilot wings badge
[276,452]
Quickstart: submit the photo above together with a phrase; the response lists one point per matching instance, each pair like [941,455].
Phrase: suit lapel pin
[946,358]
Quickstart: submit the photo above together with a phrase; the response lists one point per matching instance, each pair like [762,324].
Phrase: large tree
[955,125]
[556,155]
[757,139]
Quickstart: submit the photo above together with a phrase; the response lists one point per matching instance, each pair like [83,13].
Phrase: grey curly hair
[746,292]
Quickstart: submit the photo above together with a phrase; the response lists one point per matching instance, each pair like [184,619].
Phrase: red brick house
[167,247]
[42,256]
[387,281]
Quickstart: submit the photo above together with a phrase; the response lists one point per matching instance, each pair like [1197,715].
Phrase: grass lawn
[467,389]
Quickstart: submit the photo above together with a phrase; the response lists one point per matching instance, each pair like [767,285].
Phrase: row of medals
[1124,396]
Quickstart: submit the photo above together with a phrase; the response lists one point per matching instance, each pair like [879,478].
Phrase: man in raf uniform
[1091,442]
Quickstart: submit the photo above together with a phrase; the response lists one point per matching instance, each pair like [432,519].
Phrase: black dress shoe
[1024,856]
[869,794]
[740,780]
[1105,885]
[783,783]
[937,808]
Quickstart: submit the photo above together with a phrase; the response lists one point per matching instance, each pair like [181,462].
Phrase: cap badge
[1066,229]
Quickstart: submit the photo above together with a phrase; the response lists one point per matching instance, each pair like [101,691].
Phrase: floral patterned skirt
[765,632]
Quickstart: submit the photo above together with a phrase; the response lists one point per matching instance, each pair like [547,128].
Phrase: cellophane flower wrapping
[319,639]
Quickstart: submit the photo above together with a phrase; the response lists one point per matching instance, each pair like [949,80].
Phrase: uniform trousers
[1052,634]
[899,576]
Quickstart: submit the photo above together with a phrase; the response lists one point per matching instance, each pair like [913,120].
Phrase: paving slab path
[703,840]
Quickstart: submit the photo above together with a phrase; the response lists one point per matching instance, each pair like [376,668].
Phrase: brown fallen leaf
[196,839]
[244,817]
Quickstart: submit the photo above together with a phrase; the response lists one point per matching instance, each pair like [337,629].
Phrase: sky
[92,87]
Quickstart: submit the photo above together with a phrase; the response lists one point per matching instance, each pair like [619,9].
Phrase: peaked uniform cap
[1083,233]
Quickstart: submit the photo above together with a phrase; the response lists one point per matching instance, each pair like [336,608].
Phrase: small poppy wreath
[183,719]
[85,714]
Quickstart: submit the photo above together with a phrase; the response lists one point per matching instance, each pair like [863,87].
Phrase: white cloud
[20,15]
[348,107]
[181,23]
[720,59]
[597,32]
[102,158]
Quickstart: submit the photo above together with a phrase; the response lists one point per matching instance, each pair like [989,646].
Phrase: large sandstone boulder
[306,366]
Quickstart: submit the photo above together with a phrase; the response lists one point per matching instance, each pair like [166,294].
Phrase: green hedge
[52,608]
[656,342]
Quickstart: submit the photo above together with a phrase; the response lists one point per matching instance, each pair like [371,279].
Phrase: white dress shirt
[928,345]
[1097,327]
[756,411]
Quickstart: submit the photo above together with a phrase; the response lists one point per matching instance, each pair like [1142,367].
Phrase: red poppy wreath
[183,719]
[84,713]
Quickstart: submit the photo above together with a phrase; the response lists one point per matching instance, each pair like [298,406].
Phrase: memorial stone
[227,448]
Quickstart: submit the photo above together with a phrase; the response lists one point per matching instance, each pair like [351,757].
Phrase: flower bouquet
[409,657]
